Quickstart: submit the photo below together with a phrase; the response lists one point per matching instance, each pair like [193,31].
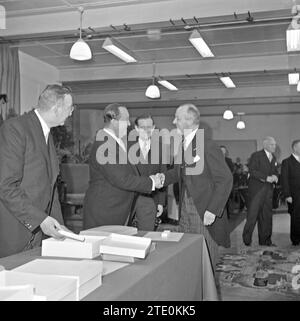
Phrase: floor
[280,236]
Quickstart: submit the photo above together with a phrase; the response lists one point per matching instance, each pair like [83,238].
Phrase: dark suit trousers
[260,211]
[295,221]
[145,211]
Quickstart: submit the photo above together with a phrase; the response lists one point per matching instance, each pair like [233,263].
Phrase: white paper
[171,236]
[106,230]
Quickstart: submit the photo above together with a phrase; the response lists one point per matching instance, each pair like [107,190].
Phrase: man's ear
[136,128]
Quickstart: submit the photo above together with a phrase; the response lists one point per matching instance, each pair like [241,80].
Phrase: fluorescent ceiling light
[228,115]
[293,31]
[298,86]
[240,124]
[167,84]
[119,50]
[198,42]
[293,78]
[227,82]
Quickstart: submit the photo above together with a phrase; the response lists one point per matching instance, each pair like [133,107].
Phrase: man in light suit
[113,178]
[205,183]
[290,181]
[263,174]
[148,206]
[29,205]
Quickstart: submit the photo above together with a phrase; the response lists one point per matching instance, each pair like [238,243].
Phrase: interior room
[244,81]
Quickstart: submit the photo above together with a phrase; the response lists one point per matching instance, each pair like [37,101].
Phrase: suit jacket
[210,188]
[259,168]
[290,180]
[28,172]
[110,195]
[152,165]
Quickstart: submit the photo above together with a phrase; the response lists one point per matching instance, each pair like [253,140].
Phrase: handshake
[272,179]
[158,179]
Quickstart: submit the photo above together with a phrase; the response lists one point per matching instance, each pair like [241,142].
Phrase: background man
[263,174]
[203,196]
[109,197]
[29,167]
[290,181]
[148,206]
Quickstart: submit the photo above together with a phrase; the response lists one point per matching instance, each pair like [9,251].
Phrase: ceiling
[248,39]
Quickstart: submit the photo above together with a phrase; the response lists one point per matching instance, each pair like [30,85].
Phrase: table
[173,271]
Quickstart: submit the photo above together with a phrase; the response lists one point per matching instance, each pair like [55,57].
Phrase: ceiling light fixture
[80,49]
[293,31]
[241,124]
[152,90]
[227,82]
[167,84]
[198,42]
[228,114]
[118,49]
[298,86]
[293,78]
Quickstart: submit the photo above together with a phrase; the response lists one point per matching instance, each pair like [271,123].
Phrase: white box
[106,230]
[88,274]
[47,287]
[125,245]
[17,293]
[71,248]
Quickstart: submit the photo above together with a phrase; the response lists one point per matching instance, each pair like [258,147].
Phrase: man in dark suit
[204,180]
[290,181]
[263,174]
[29,205]
[148,206]
[228,160]
[113,178]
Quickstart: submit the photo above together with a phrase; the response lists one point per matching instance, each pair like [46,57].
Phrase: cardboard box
[130,246]
[87,273]
[47,287]
[106,230]
[88,249]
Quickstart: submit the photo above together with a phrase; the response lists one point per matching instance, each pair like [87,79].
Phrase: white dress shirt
[297,157]
[145,146]
[117,139]
[269,155]
[45,128]
[188,139]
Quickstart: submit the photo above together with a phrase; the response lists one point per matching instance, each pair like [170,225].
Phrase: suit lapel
[53,161]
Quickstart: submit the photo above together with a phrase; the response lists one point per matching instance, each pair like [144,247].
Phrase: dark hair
[51,95]
[111,112]
[144,116]
[295,142]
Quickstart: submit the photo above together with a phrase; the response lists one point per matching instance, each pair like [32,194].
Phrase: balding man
[263,175]
[205,182]
[113,178]
[29,205]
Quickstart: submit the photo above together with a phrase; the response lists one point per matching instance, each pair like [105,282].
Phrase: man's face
[122,123]
[180,120]
[297,149]
[145,128]
[64,109]
[270,145]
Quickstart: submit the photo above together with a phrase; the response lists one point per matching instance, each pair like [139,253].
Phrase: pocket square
[196,159]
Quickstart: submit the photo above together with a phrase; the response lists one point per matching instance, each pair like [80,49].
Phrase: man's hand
[270,179]
[289,199]
[275,179]
[209,218]
[50,227]
[160,210]
[159,180]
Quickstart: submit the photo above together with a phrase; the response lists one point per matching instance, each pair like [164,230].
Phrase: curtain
[9,81]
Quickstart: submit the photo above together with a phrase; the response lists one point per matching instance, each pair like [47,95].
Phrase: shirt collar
[268,153]
[296,156]
[45,128]
[189,138]
[117,139]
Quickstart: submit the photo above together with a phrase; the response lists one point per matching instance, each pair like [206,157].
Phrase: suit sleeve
[285,179]
[12,158]
[254,168]
[221,177]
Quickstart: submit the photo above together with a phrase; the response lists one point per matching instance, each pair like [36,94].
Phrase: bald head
[269,144]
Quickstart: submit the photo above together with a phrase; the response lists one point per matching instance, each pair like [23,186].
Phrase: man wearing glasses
[29,205]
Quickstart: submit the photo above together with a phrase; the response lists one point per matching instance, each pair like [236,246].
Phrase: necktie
[145,148]
[181,178]
[270,157]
